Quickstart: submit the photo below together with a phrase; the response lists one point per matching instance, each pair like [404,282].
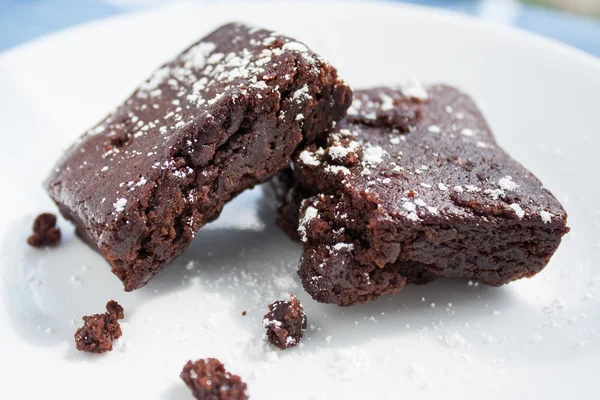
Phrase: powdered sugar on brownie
[309,214]
[302,94]
[409,206]
[295,46]
[420,191]
[495,194]
[518,210]
[334,169]
[414,89]
[223,116]
[196,77]
[340,246]
[339,152]
[372,155]
[506,183]
[545,216]
[119,205]
[309,158]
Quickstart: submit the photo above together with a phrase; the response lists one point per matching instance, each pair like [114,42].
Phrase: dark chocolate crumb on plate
[45,232]
[100,330]
[285,323]
[208,380]
[112,307]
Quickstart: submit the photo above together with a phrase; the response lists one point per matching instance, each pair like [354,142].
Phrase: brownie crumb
[100,330]
[285,323]
[112,307]
[209,380]
[45,232]
[243,313]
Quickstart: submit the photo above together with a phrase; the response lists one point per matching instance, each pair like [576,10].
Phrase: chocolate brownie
[99,330]
[221,117]
[45,232]
[412,185]
[209,380]
[285,323]
[286,195]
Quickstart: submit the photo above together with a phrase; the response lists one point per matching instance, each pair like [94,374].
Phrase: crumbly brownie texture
[45,232]
[112,307]
[285,323]
[411,186]
[221,117]
[287,195]
[100,330]
[209,380]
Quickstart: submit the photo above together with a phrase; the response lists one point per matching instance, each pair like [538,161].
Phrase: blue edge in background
[23,20]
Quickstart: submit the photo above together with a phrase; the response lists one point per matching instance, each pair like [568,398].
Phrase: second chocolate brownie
[412,186]
[221,117]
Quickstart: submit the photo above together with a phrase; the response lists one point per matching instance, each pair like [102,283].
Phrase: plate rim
[99,26]
[448,16]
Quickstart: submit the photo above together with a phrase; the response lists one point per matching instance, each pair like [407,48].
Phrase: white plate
[533,338]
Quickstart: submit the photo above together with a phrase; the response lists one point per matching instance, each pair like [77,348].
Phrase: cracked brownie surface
[221,117]
[410,187]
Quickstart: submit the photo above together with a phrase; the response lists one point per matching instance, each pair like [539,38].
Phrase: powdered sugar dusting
[495,194]
[409,206]
[157,78]
[302,94]
[434,129]
[420,203]
[349,363]
[338,152]
[506,183]
[309,214]
[467,132]
[295,46]
[432,210]
[187,88]
[546,217]
[308,158]
[372,155]
[340,246]
[119,205]
[518,210]
[387,102]
[334,169]
[414,89]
